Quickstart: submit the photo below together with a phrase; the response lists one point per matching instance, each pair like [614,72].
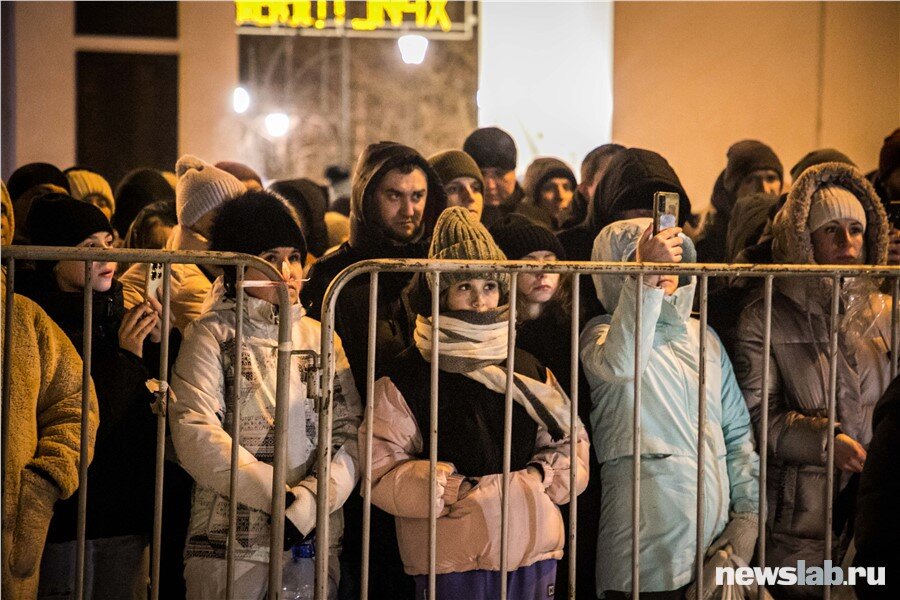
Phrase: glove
[37,495]
[740,533]
[710,589]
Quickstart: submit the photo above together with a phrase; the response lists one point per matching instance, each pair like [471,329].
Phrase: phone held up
[153,284]
[665,210]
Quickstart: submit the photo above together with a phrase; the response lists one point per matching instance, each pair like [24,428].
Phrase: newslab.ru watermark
[799,575]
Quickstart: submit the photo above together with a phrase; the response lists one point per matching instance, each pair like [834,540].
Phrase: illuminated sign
[375,18]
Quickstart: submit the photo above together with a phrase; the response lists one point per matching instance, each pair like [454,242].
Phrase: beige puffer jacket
[799,370]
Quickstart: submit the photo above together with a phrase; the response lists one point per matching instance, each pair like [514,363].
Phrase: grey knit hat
[457,236]
[202,188]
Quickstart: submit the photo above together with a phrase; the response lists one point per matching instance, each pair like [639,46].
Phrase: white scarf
[474,344]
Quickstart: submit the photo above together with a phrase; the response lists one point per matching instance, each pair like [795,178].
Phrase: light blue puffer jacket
[669,363]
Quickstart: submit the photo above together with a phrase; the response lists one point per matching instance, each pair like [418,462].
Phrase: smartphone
[665,210]
[153,284]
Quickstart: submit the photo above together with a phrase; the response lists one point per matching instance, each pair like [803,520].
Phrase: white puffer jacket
[201,419]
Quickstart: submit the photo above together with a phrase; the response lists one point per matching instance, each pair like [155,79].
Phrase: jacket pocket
[33,512]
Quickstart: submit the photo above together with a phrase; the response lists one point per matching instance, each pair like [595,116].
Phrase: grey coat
[799,370]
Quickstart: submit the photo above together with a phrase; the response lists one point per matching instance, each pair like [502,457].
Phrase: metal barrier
[575,269]
[241,261]
[374,267]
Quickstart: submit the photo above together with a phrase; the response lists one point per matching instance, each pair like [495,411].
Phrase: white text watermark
[800,575]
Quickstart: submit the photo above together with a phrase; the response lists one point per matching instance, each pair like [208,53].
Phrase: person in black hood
[121,476]
[395,202]
[310,200]
[625,192]
[549,192]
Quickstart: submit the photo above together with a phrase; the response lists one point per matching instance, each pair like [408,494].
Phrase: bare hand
[136,326]
[849,455]
[665,246]
[894,247]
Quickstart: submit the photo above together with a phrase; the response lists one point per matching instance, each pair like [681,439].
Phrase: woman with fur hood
[669,380]
[832,216]
[473,338]
[261,224]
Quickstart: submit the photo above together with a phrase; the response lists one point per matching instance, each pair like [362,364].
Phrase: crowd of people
[454,205]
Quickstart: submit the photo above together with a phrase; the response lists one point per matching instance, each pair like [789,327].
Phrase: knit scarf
[475,345]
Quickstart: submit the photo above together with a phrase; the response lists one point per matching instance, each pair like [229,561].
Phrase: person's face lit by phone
[70,273]
[761,181]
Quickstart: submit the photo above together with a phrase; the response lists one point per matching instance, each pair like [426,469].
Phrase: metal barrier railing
[575,269]
[327,357]
[282,392]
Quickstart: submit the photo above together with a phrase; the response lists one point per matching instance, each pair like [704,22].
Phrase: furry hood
[792,240]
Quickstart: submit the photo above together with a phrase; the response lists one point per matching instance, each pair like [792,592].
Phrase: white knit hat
[83,183]
[831,202]
[201,188]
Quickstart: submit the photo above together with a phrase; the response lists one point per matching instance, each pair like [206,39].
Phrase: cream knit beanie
[202,188]
[831,202]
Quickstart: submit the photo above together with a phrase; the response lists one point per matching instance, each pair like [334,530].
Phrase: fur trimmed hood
[792,238]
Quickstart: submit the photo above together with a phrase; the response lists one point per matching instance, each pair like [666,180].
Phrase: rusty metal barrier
[575,269]
[241,261]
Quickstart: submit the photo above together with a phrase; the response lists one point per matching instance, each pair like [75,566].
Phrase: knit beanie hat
[459,237]
[256,222]
[33,174]
[451,164]
[84,183]
[834,202]
[10,215]
[518,236]
[241,171]
[136,190]
[748,156]
[61,220]
[491,147]
[889,158]
[202,188]
[817,157]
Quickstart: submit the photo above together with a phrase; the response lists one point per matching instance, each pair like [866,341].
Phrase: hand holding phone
[153,283]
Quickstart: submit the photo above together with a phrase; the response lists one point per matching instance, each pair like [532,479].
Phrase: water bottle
[298,576]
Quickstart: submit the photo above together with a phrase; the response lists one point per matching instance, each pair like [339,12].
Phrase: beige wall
[45,78]
[692,78]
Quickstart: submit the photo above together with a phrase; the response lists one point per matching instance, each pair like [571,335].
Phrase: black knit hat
[33,174]
[255,222]
[747,156]
[491,147]
[518,236]
[310,201]
[889,157]
[61,220]
[817,157]
[136,190]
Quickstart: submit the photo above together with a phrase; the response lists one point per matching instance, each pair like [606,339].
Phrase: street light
[412,48]
[277,124]
[241,100]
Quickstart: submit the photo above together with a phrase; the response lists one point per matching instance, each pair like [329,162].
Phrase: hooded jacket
[799,369]
[203,381]
[367,240]
[44,437]
[470,446]
[539,171]
[669,372]
[629,182]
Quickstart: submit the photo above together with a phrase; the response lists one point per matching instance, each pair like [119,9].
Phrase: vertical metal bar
[9,306]
[235,431]
[573,435]
[507,435]
[161,434]
[282,398]
[636,445]
[764,428]
[832,409]
[433,446]
[701,438]
[895,328]
[85,411]
[370,422]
